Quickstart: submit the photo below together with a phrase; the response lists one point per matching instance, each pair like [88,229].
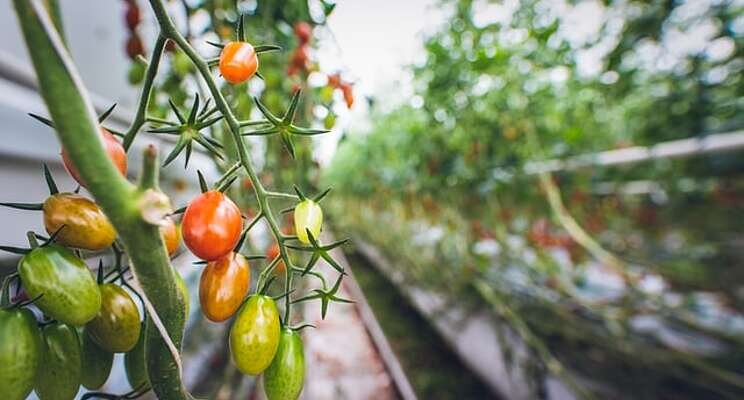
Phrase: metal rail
[715,143]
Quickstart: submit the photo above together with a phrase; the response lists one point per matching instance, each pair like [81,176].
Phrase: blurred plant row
[591,267]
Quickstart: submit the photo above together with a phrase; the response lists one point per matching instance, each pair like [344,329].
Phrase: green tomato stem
[169,30]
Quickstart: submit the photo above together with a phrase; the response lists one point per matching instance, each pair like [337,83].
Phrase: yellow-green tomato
[254,336]
[284,378]
[70,294]
[97,363]
[59,374]
[20,353]
[307,215]
[116,328]
[85,225]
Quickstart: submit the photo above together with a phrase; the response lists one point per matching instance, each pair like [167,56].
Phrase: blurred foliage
[439,184]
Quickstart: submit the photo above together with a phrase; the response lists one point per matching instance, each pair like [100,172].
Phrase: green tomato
[254,336]
[59,374]
[20,353]
[136,72]
[307,215]
[135,365]
[97,363]
[116,328]
[284,378]
[70,294]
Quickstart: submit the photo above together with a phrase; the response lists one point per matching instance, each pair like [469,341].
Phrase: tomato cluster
[88,321]
[300,59]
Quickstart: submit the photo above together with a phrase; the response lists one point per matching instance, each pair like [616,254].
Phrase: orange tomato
[223,286]
[171,235]
[273,252]
[238,62]
[113,148]
[348,94]
[211,225]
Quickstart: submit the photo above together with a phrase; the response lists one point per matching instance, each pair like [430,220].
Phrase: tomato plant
[130,226]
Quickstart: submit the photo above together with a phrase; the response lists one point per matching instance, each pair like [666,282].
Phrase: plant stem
[141,116]
[169,31]
[77,129]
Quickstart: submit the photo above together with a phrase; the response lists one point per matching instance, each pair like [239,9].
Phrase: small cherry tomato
[134,363]
[254,336]
[70,294]
[284,378]
[135,47]
[20,353]
[171,235]
[116,328]
[60,376]
[348,94]
[273,252]
[113,148]
[334,80]
[300,58]
[211,225]
[307,215]
[303,31]
[97,363]
[238,62]
[85,224]
[223,286]
[132,17]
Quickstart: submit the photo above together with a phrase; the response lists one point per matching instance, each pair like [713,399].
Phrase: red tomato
[133,17]
[334,80]
[303,31]
[135,47]
[238,62]
[211,225]
[223,286]
[113,148]
[300,58]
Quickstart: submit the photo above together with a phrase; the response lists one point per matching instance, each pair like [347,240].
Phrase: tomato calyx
[284,126]
[188,128]
[326,296]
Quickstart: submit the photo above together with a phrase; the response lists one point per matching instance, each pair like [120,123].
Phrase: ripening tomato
[211,225]
[171,235]
[307,215]
[20,353]
[116,328]
[238,62]
[61,363]
[334,80]
[134,46]
[134,363]
[273,252]
[85,224]
[70,294]
[132,16]
[284,378]
[254,336]
[113,148]
[223,286]
[303,31]
[97,362]
[300,58]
